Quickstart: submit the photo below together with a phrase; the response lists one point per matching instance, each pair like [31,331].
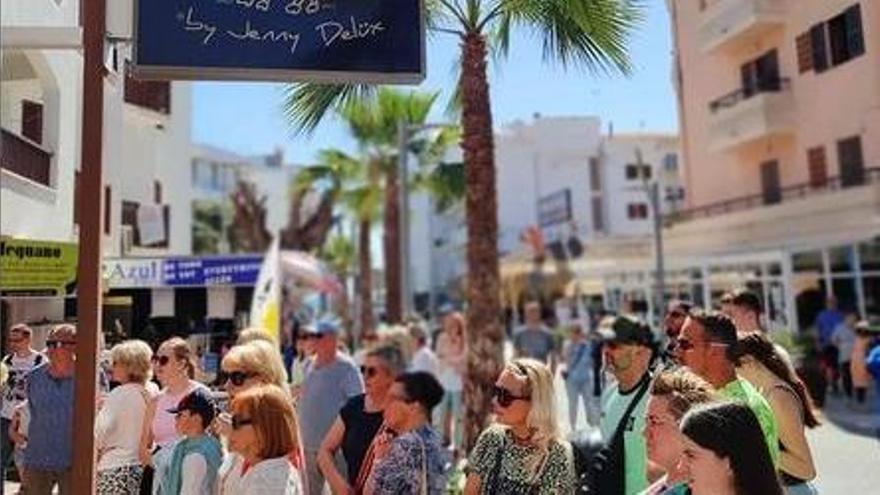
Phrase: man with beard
[628,352]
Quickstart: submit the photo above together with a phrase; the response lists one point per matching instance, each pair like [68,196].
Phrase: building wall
[819,109]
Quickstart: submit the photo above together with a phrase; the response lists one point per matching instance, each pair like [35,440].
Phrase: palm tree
[591,34]
[375,124]
[340,254]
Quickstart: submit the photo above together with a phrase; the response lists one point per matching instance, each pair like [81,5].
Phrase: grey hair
[392,356]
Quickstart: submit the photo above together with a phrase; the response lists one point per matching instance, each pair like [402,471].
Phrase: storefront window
[869,253]
[807,261]
[842,259]
[872,295]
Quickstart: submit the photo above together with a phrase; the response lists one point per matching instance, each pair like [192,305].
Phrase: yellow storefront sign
[30,267]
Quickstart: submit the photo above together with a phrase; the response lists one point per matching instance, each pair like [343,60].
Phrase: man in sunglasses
[49,455]
[628,352]
[708,346]
[331,380]
[21,360]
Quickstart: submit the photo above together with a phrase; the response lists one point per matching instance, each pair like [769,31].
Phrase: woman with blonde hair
[262,434]
[523,452]
[250,365]
[174,366]
[119,423]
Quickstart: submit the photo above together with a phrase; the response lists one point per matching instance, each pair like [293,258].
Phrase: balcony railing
[741,94]
[789,193]
[729,24]
[24,157]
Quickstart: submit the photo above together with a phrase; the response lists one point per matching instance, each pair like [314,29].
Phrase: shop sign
[37,268]
[199,272]
[327,41]
[133,273]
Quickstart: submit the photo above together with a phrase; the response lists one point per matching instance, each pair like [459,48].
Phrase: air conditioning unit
[126,239]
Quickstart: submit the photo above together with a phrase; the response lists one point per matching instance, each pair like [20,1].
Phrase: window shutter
[818,166]
[854,36]
[804,52]
[108,208]
[820,51]
[851,161]
[32,121]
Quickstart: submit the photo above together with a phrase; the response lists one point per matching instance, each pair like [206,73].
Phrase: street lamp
[405,132]
[652,189]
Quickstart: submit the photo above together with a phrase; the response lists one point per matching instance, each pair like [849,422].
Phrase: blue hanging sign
[326,41]
[197,272]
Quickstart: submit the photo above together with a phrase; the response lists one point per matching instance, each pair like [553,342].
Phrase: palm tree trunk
[365,283]
[391,245]
[485,335]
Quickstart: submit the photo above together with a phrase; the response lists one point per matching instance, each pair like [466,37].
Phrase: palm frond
[306,105]
[590,34]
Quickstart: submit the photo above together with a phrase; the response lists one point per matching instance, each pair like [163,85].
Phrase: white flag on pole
[265,307]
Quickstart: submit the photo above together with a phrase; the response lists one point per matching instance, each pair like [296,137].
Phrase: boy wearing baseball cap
[196,458]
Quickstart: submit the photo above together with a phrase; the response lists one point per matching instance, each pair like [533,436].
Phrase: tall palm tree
[591,34]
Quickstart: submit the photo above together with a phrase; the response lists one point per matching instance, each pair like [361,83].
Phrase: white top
[118,426]
[424,360]
[194,470]
[270,477]
[14,392]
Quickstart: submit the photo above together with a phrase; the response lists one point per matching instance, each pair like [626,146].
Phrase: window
[32,121]
[108,209]
[770,182]
[831,43]
[637,211]
[157,192]
[595,175]
[670,162]
[850,158]
[129,218]
[598,214]
[635,171]
[845,35]
[818,166]
[761,74]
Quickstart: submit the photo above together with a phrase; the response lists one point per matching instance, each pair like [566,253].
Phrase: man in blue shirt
[826,324]
[48,457]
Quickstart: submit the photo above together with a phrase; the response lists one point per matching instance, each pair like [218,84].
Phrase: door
[770,182]
[852,164]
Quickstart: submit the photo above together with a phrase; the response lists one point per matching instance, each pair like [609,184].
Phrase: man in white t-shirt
[423,358]
[21,360]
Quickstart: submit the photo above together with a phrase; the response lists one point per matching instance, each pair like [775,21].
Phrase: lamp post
[652,189]
[405,133]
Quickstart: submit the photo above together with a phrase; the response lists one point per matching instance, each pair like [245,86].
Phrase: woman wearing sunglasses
[174,367]
[523,452]
[251,365]
[360,419]
[261,436]
[409,458]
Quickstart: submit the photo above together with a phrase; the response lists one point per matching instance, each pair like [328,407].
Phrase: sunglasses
[237,378]
[161,360]
[239,422]
[677,314]
[55,344]
[369,371]
[505,397]
[311,336]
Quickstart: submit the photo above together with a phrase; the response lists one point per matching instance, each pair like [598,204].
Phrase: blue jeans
[582,392]
[806,488]
[451,405]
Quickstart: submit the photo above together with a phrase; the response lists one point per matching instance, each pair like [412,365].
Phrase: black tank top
[360,428]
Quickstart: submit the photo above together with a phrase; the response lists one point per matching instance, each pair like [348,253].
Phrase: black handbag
[605,473]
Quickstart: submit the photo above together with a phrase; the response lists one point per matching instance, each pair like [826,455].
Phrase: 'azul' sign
[371,41]
[238,270]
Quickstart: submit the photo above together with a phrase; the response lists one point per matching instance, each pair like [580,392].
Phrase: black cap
[628,330]
[200,402]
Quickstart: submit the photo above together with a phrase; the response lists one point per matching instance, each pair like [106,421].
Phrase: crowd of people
[709,405]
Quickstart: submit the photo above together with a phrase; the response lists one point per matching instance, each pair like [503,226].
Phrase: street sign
[555,208]
[327,41]
[221,270]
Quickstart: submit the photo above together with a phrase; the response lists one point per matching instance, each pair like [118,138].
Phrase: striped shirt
[50,435]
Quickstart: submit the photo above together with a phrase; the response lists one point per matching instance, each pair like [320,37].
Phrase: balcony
[785,195]
[24,157]
[730,24]
[747,115]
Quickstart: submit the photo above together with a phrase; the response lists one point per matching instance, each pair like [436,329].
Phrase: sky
[247,118]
